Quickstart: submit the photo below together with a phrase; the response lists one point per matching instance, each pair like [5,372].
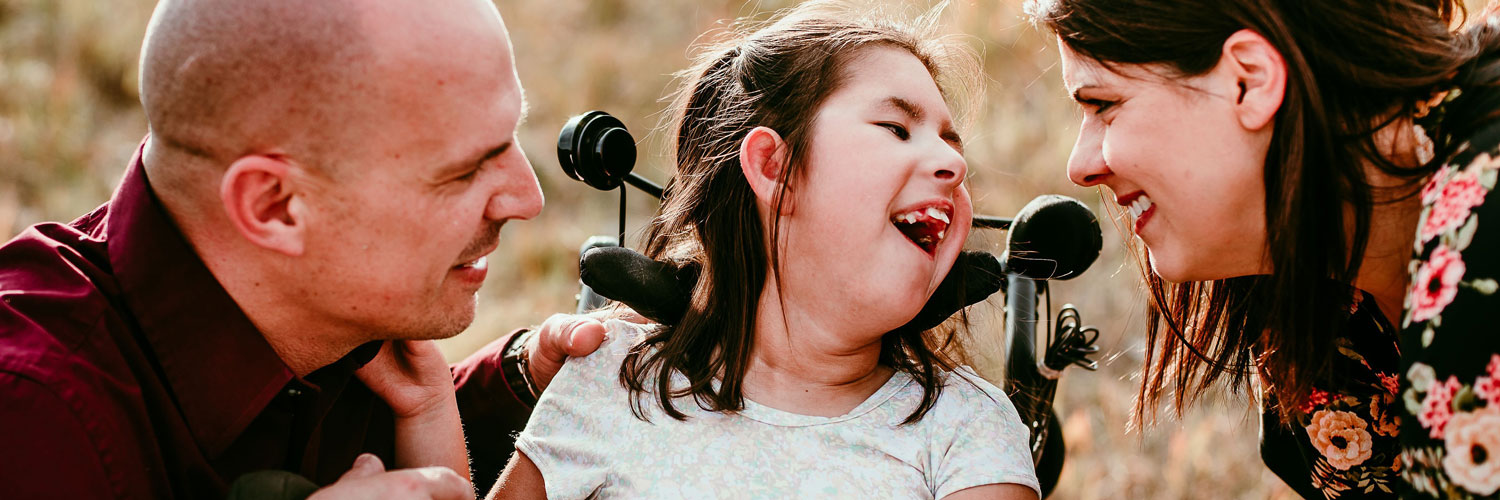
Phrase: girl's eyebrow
[911,109]
[917,114]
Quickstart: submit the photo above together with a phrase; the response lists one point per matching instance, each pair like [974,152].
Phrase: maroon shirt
[127,371]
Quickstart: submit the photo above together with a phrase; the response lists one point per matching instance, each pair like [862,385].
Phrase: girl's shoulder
[968,397]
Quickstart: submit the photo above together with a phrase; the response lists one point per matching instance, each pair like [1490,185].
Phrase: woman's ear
[762,158]
[259,202]
[1260,72]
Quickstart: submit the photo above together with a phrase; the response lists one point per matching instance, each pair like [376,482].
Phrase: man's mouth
[479,263]
[925,227]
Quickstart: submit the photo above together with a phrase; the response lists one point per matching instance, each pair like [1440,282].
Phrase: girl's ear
[762,158]
[1260,72]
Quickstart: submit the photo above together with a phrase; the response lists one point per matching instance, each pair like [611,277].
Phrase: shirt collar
[219,366]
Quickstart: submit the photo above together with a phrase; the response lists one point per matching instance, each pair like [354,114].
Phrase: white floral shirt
[587,443]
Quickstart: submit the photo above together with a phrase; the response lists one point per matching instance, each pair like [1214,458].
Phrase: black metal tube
[644,185]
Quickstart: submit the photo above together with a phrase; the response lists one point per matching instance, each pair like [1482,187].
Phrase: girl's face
[881,210]
[1186,174]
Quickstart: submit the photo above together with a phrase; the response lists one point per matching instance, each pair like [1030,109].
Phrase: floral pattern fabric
[1344,445]
[1451,332]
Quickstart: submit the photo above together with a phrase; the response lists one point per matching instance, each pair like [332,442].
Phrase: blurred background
[70,120]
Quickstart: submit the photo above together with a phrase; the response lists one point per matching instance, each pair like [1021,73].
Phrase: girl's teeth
[937,214]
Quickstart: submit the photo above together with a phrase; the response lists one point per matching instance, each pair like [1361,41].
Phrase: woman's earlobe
[763,156]
[1260,73]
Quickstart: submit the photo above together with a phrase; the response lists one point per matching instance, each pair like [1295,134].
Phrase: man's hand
[411,376]
[369,479]
[561,336]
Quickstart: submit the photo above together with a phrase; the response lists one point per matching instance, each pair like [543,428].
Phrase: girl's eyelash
[897,129]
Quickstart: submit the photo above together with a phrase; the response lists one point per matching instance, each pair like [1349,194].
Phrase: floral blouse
[1345,443]
[1450,335]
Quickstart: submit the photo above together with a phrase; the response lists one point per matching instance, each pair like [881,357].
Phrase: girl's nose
[949,166]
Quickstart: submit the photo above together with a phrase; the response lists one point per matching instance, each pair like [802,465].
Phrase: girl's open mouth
[925,227]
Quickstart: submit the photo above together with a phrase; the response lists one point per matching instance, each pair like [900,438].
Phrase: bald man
[320,186]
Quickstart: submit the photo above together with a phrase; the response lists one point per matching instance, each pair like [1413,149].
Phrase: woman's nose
[1086,166]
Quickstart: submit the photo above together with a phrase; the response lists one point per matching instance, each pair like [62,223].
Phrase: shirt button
[293,392]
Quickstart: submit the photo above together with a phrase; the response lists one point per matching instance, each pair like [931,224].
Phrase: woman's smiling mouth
[1140,208]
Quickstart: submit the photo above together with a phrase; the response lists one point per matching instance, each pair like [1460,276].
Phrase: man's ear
[762,158]
[1260,72]
[260,203]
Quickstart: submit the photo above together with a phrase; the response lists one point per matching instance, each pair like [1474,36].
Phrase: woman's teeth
[480,262]
[1139,206]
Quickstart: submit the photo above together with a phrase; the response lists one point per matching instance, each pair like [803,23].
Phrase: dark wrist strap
[515,363]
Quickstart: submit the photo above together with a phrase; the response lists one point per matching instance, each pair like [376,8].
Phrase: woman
[1282,163]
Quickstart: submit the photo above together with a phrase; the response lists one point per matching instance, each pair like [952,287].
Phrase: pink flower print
[1488,386]
[1488,389]
[1434,186]
[1314,399]
[1472,440]
[1341,437]
[1390,382]
[1437,407]
[1452,205]
[1436,283]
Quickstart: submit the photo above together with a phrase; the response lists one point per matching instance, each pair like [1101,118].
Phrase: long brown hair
[1353,67]
[775,74]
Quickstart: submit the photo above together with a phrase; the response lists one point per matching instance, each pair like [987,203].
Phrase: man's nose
[519,195]
[1086,166]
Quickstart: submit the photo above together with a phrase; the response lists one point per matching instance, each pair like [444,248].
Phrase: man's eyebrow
[474,160]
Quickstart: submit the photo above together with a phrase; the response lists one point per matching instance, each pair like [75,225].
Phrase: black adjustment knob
[595,148]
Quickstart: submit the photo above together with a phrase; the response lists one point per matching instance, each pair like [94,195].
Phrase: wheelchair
[1052,238]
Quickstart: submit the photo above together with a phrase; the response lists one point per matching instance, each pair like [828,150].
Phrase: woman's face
[881,211]
[1186,173]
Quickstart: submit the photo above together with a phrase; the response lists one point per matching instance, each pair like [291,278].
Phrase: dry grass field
[69,121]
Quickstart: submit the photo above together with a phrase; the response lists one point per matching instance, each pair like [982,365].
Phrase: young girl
[820,188]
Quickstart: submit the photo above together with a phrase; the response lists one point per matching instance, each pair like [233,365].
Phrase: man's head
[342,163]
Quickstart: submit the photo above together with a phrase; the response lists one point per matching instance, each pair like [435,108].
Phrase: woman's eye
[897,129]
[1100,106]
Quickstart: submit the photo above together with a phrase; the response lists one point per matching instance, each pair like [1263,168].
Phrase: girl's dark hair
[775,74]
[1353,67]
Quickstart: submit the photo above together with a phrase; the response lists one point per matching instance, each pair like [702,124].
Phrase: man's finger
[556,336]
[365,465]
[441,483]
[584,338]
[554,342]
